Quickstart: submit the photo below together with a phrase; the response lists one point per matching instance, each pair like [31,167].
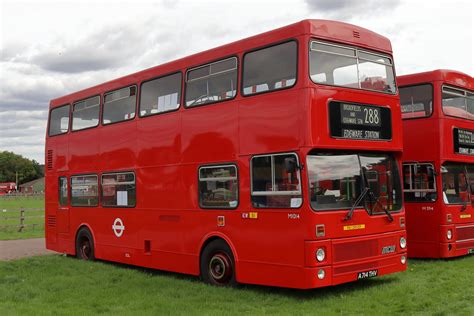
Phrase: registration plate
[367,274]
[470,251]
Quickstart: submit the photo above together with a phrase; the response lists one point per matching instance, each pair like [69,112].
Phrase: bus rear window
[59,120]
[85,113]
[458,102]
[270,68]
[119,105]
[416,101]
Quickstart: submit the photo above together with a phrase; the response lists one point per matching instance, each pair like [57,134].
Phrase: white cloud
[49,49]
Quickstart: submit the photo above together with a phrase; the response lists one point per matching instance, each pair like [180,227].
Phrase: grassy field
[12,207]
[64,285]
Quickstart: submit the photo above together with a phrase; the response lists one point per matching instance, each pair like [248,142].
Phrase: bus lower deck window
[218,186]
[84,190]
[118,189]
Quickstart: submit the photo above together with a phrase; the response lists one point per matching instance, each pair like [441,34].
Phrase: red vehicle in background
[271,160]
[7,187]
[438,162]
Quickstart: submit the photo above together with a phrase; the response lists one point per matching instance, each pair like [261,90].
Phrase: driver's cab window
[276,181]
[419,182]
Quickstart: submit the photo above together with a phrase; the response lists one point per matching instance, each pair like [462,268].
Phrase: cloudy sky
[49,49]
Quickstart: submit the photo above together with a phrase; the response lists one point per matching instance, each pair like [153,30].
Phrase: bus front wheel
[85,245]
[217,264]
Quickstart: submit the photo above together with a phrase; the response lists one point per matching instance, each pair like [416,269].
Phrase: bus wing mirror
[290,164]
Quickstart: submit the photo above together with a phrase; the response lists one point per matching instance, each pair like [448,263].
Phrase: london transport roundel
[118,227]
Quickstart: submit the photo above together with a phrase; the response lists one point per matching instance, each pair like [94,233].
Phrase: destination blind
[360,121]
[463,140]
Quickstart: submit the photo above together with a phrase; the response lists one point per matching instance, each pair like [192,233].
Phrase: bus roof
[453,77]
[330,30]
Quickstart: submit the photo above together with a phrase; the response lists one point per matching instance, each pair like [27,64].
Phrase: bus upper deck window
[85,113]
[59,120]
[270,68]
[119,105]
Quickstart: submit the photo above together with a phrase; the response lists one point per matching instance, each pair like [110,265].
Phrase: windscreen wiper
[359,199]
[464,206]
[377,201]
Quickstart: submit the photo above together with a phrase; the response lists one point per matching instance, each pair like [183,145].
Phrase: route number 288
[372,116]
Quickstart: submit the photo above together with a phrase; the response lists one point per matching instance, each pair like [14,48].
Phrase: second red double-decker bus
[271,160]
[438,162]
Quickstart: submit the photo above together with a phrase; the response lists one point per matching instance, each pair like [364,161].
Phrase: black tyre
[85,245]
[217,264]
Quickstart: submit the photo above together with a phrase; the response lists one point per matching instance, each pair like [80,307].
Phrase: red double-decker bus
[438,162]
[7,187]
[271,160]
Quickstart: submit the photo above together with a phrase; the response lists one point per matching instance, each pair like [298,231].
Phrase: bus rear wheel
[217,264]
[85,245]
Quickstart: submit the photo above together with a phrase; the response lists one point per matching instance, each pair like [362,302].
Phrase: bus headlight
[449,234]
[320,254]
[403,242]
[321,274]
[403,259]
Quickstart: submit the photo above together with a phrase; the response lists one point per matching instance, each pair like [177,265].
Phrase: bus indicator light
[402,221]
[320,230]
[220,221]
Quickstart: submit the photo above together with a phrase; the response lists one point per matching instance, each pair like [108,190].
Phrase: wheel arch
[208,238]
[81,226]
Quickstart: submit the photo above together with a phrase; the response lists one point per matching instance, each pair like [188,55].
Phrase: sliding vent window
[276,181]
[458,103]
[351,67]
[416,101]
[212,82]
[84,190]
[160,95]
[218,187]
[85,113]
[59,120]
[419,183]
[118,189]
[271,68]
[119,105]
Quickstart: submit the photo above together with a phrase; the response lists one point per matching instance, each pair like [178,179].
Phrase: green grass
[13,205]
[64,285]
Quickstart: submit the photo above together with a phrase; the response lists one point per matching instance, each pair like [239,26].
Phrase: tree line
[11,164]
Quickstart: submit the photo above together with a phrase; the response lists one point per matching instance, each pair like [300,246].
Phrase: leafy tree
[11,163]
